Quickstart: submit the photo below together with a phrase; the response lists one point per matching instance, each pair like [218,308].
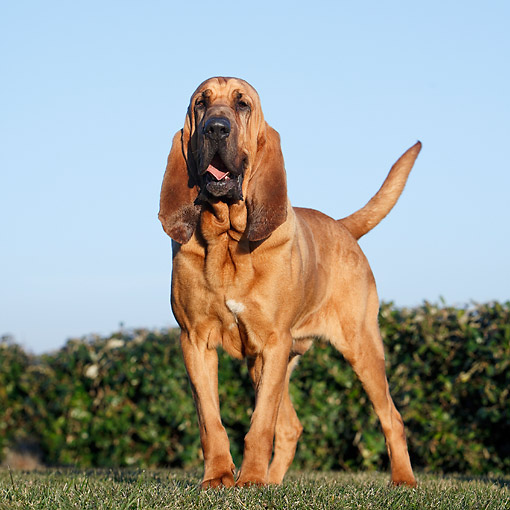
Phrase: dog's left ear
[266,199]
[177,210]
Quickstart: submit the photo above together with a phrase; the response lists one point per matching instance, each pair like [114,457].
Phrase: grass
[136,489]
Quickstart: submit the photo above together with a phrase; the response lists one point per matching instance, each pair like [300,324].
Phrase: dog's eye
[243,106]
[200,104]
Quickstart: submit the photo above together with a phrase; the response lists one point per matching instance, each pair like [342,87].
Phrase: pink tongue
[217,173]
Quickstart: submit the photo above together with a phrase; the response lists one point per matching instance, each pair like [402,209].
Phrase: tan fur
[364,220]
[262,279]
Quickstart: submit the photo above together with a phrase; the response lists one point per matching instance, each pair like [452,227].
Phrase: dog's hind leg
[287,432]
[365,353]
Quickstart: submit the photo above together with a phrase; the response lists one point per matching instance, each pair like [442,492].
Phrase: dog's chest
[215,291]
[230,275]
[231,315]
[228,265]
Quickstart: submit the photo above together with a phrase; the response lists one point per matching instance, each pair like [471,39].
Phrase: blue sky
[92,92]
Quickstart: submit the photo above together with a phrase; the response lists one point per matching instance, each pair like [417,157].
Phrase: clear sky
[92,92]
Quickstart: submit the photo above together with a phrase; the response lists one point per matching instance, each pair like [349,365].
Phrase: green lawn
[137,489]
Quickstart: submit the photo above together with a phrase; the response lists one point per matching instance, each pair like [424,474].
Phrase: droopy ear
[266,199]
[177,211]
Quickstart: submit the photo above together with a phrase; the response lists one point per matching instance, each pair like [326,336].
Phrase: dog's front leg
[202,366]
[267,370]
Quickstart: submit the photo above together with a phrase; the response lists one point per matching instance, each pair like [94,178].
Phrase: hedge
[124,400]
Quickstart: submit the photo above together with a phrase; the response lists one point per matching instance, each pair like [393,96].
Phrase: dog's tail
[366,218]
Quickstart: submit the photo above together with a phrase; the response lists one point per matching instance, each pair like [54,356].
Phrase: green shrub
[125,401]
[14,393]
[455,382]
[119,401]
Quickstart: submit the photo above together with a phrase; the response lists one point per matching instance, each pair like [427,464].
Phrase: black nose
[217,128]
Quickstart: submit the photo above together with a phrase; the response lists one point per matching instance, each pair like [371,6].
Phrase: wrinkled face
[225,118]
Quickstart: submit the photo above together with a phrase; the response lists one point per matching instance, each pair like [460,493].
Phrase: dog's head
[225,152]
[225,118]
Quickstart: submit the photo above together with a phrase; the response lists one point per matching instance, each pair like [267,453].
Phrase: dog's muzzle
[220,178]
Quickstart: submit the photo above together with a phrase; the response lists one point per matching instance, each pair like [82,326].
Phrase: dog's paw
[225,480]
[404,481]
[250,483]
[247,480]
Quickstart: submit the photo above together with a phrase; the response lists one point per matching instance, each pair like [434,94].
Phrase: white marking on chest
[235,307]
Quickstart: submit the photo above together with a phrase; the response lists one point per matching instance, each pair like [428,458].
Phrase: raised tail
[366,218]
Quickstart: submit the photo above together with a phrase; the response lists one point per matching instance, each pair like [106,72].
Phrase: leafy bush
[125,401]
[13,392]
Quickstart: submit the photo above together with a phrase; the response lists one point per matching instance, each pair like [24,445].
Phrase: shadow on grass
[494,479]
[182,478]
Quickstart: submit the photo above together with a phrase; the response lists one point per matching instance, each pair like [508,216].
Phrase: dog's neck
[219,219]
[222,227]
[229,258]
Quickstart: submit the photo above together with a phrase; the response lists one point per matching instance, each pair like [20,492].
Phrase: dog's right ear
[177,210]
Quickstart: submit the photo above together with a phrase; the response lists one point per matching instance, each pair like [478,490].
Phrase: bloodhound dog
[262,279]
